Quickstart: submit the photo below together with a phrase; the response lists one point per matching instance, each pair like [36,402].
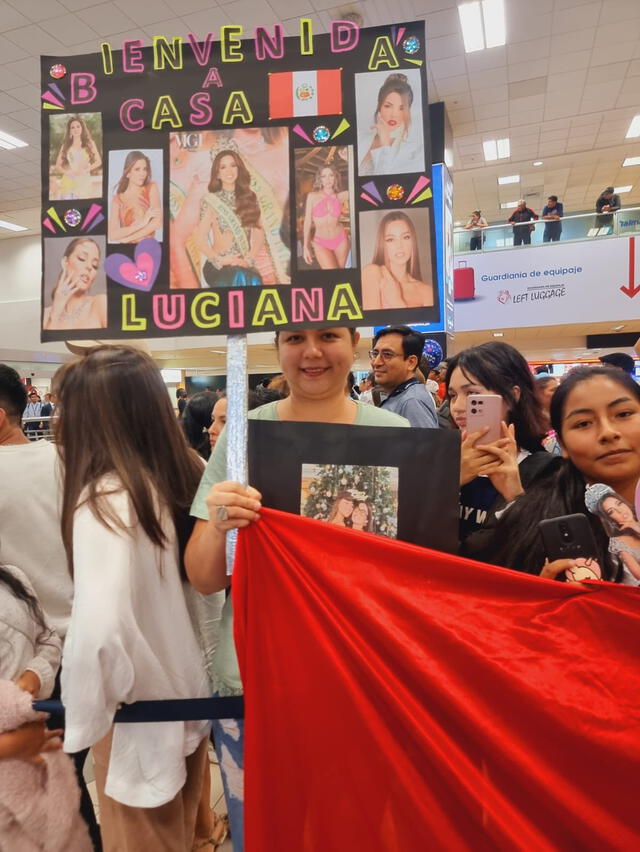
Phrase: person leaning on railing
[520,216]
[552,214]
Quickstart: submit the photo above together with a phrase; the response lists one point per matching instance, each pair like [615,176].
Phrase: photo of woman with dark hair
[394,143]
[342,509]
[324,208]
[621,525]
[230,236]
[78,157]
[136,209]
[72,306]
[362,515]
[393,278]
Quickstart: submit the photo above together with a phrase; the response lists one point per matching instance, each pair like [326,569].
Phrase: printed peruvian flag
[405,700]
[300,93]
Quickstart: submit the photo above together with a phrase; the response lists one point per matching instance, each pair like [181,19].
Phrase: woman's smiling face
[601,432]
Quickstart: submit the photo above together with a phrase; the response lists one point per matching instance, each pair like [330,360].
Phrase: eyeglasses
[385,354]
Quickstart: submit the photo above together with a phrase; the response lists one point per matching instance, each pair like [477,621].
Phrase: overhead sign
[215,184]
[592,281]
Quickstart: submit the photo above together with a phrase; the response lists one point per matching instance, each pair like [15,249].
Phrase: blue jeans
[229,739]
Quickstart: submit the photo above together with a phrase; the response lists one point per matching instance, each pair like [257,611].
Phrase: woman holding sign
[315,363]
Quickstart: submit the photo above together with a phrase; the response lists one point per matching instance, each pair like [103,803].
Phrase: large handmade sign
[217,184]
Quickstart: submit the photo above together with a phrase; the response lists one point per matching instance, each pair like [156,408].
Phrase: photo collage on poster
[238,196]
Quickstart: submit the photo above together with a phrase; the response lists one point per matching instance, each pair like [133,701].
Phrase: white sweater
[30,525]
[23,645]
[130,639]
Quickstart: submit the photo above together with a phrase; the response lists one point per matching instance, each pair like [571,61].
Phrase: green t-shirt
[226,674]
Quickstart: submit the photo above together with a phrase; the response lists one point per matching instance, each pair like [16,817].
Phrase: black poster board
[400,482]
[223,183]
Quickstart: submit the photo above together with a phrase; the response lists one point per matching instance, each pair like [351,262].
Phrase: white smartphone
[485,409]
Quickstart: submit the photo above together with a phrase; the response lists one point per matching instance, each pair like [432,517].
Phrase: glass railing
[574,227]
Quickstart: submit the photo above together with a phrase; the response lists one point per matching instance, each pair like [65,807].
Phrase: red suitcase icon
[464,286]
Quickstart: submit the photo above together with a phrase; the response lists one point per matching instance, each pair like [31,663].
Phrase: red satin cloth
[404,700]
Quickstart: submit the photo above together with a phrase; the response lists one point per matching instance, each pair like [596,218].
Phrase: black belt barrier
[171,710]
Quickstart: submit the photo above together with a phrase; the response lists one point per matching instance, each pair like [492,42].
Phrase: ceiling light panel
[622,188]
[495,31]
[8,141]
[9,226]
[508,179]
[634,128]
[508,205]
[631,161]
[471,22]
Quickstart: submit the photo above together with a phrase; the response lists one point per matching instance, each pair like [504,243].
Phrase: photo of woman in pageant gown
[136,209]
[324,207]
[235,249]
[393,278]
[77,158]
[72,306]
[389,147]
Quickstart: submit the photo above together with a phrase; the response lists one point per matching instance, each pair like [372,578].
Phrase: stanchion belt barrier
[171,710]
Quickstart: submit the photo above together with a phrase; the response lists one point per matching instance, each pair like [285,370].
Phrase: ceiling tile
[482,60]
[37,10]
[146,12]
[106,19]
[445,47]
[451,67]
[581,39]
[560,63]
[517,71]
[35,39]
[527,88]
[587,14]
[488,79]
[445,22]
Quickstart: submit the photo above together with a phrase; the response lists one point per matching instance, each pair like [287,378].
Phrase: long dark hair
[500,368]
[130,160]
[516,542]
[379,254]
[196,419]
[247,207]
[115,416]
[19,591]
[85,140]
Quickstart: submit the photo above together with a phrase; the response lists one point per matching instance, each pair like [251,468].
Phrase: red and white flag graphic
[300,93]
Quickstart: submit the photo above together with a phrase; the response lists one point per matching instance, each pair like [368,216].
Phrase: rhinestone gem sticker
[411,45]
[57,71]
[305,92]
[72,217]
[321,133]
[395,192]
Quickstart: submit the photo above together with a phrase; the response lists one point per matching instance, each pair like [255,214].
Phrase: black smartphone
[568,537]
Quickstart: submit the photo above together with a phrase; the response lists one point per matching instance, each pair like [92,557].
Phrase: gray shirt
[412,400]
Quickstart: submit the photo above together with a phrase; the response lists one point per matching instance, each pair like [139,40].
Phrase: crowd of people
[132,512]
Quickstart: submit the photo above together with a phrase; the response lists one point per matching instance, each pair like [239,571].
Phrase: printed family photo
[75,156]
[75,294]
[396,259]
[135,195]
[358,497]
[390,128]
[324,207]
[229,199]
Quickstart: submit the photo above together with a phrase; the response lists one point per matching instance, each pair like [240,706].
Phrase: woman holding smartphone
[596,415]
[493,474]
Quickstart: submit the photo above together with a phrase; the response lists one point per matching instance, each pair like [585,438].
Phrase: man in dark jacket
[522,232]
[606,205]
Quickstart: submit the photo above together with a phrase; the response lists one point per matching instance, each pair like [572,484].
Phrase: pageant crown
[594,494]
[224,145]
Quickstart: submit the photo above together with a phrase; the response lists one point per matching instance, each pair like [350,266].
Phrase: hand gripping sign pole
[237,388]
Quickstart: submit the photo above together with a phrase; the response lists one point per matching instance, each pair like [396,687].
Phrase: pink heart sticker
[142,272]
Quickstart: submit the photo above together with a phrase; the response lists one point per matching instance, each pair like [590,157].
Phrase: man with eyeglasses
[395,355]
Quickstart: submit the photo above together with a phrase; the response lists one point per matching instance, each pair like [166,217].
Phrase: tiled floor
[217,792]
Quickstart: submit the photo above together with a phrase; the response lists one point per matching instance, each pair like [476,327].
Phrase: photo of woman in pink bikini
[324,207]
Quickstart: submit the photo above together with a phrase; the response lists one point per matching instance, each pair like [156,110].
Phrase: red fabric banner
[404,700]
